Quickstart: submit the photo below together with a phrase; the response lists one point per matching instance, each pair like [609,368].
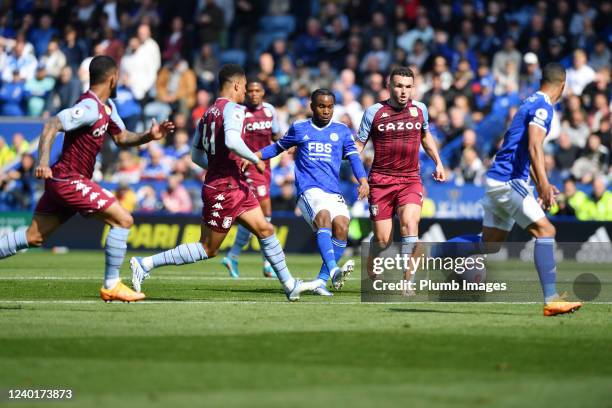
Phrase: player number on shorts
[209,142]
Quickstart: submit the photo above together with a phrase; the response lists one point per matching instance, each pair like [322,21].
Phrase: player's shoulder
[339,127]
[269,107]
[374,109]
[300,124]
[539,100]
[420,105]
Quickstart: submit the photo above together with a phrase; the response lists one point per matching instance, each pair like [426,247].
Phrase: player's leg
[382,237]
[255,222]
[35,235]
[409,216]
[339,237]
[266,207]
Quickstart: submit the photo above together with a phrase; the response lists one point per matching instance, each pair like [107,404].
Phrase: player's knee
[341,229]
[210,251]
[547,230]
[126,221]
[265,230]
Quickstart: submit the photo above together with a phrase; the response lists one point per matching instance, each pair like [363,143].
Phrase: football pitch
[203,339]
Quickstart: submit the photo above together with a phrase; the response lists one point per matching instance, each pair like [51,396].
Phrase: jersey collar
[546,98]
[318,128]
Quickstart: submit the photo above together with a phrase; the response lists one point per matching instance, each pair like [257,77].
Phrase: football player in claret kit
[68,185]
[226,195]
[397,128]
[260,129]
[321,144]
[509,197]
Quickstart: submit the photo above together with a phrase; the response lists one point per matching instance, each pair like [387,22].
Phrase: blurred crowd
[475,61]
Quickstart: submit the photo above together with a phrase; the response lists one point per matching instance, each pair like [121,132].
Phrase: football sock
[114,250]
[463,245]
[274,254]
[242,238]
[408,245]
[544,256]
[339,247]
[182,254]
[326,248]
[266,264]
[13,242]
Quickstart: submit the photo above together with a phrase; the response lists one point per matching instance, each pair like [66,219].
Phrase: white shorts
[508,201]
[314,200]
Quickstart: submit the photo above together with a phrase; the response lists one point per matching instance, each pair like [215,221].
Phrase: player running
[260,129]
[226,196]
[321,146]
[68,185]
[509,198]
[397,128]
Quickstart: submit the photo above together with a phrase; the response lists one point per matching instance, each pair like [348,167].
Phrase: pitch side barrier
[160,232]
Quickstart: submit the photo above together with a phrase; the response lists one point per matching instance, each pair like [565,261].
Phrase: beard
[113,93]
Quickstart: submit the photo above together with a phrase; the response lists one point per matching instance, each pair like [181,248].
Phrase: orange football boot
[560,306]
[120,292]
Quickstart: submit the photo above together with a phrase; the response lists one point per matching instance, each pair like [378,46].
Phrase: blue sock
[13,242]
[273,252]
[463,245]
[326,248]
[114,250]
[544,256]
[182,254]
[242,237]
[339,247]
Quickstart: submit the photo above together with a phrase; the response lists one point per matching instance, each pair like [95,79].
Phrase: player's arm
[351,153]
[52,127]
[363,134]
[546,191]
[125,138]
[198,154]
[276,133]
[233,122]
[431,148]
[276,148]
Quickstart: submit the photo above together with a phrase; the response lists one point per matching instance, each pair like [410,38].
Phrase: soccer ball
[477,272]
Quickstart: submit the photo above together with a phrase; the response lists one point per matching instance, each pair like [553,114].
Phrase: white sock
[147,263]
[110,283]
[321,282]
[289,284]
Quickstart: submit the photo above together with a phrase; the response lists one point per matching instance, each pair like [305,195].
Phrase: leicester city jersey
[319,153]
[513,161]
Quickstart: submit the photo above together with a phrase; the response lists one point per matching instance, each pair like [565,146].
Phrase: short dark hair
[254,80]
[228,72]
[553,73]
[322,92]
[99,68]
[401,71]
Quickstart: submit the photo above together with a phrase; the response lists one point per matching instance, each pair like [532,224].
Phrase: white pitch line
[215,278]
[255,302]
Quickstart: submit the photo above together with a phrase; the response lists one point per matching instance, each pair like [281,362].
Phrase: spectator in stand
[65,92]
[127,169]
[600,204]
[286,200]
[176,90]
[141,62]
[128,107]
[13,96]
[38,90]
[21,62]
[19,184]
[175,198]
[147,200]
[601,56]
[40,37]
[566,153]
[577,128]
[423,31]
[210,23]
[206,65]
[593,162]
[74,48]
[156,167]
[530,80]
[202,103]
[572,202]
[126,197]
[580,74]
[180,147]
[53,59]
[307,45]
[6,154]
[173,46]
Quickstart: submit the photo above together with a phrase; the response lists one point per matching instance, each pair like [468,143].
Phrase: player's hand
[261,166]
[548,196]
[439,174]
[364,188]
[292,150]
[244,165]
[43,172]
[159,131]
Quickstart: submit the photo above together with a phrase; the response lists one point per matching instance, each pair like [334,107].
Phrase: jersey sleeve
[116,125]
[423,109]
[84,113]
[541,115]
[290,139]
[233,118]
[348,147]
[275,125]
[366,122]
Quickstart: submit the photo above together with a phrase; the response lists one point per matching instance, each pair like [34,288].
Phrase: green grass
[204,340]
